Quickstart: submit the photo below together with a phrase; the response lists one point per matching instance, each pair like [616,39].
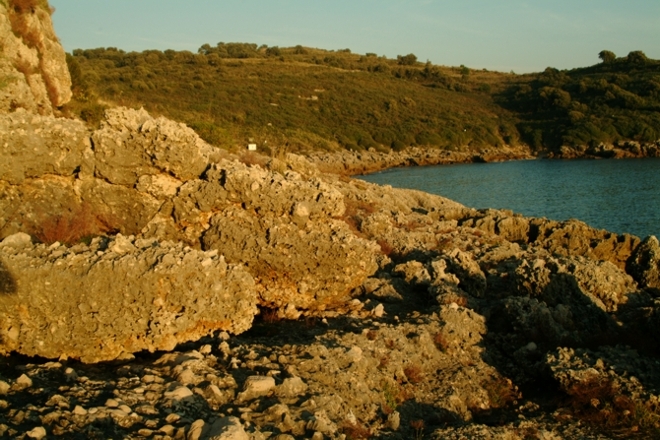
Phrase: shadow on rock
[7,281]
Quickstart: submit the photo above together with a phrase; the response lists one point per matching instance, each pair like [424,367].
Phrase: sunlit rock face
[33,70]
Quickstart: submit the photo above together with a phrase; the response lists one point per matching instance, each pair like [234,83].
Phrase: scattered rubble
[152,286]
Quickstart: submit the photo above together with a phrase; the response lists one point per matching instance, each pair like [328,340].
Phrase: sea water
[617,195]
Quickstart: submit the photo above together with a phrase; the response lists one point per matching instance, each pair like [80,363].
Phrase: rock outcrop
[571,237]
[131,144]
[115,297]
[370,161]
[33,70]
[644,263]
[33,146]
[153,177]
[420,316]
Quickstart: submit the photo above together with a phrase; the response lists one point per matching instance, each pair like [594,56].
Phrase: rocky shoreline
[263,298]
[353,163]
[152,286]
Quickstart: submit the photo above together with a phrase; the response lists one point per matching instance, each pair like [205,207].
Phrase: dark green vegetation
[307,99]
[618,99]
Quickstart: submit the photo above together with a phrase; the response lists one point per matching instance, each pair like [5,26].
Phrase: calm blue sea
[617,195]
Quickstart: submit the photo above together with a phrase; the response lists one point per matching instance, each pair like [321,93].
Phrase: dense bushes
[618,99]
[308,98]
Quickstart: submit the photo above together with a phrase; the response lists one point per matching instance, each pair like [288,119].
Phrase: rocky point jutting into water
[153,286]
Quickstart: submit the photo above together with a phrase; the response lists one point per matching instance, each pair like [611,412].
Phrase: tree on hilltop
[607,56]
[407,60]
[637,57]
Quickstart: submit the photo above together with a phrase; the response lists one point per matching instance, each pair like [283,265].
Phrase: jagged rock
[32,62]
[256,386]
[32,146]
[574,237]
[86,205]
[568,238]
[414,272]
[27,207]
[644,263]
[312,268]
[364,162]
[549,300]
[472,278]
[119,208]
[94,304]
[568,280]
[462,328]
[224,428]
[130,144]
[290,387]
[616,377]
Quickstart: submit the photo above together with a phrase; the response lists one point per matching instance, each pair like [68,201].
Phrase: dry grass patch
[501,392]
[600,402]
[355,431]
[78,224]
[414,373]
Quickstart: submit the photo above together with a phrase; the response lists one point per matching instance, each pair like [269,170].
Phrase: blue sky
[504,35]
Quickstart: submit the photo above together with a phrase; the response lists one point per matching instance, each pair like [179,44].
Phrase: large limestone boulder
[32,146]
[116,297]
[312,268]
[33,65]
[131,144]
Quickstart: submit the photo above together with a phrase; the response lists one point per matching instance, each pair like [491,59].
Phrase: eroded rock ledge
[116,297]
[440,312]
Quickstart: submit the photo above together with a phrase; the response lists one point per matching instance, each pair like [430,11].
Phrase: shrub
[355,431]
[407,60]
[441,342]
[75,225]
[270,315]
[398,146]
[501,392]
[606,56]
[414,373]
[393,395]
[418,427]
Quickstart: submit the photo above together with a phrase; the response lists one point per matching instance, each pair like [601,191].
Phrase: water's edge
[619,196]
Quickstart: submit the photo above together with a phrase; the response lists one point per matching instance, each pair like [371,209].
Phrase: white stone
[111,403]
[378,311]
[291,387]
[354,354]
[186,377]
[159,185]
[122,245]
[179,393]
[39,432]
[23,381]
[256,386]
[227,428]
[70,374]
[196,430]
[17,240]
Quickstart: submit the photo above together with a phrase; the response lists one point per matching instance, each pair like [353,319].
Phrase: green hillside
[618,99]
[307,99]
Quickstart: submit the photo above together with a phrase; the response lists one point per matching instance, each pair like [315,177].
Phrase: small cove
[617,195]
